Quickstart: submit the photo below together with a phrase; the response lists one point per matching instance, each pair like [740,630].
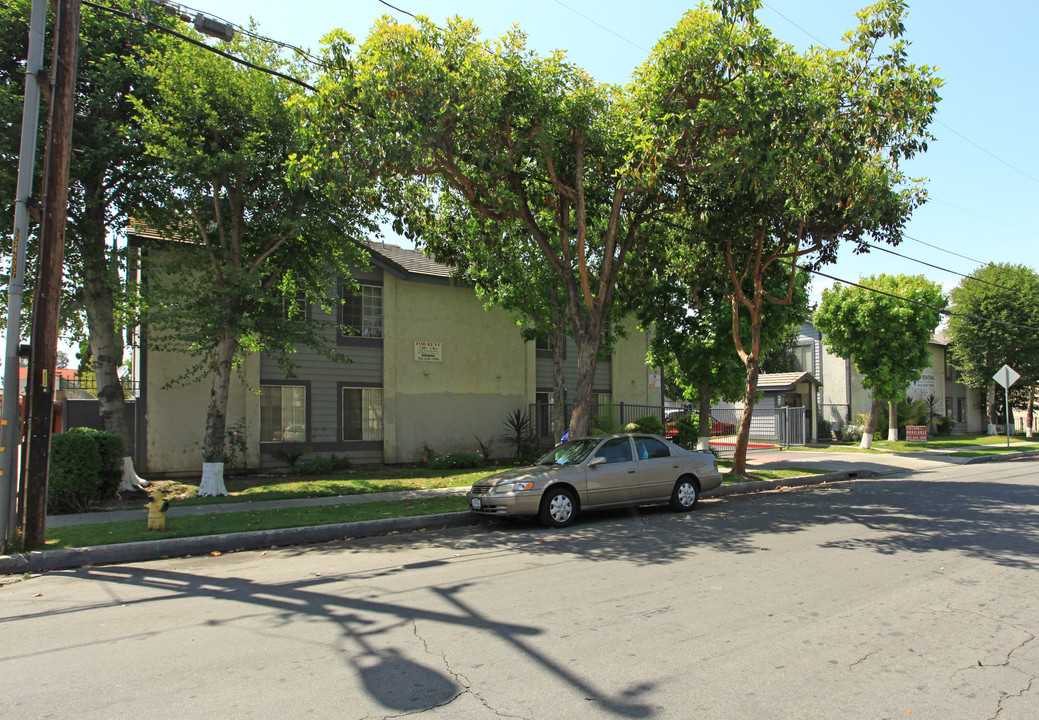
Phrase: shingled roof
[406,262]
[785,381]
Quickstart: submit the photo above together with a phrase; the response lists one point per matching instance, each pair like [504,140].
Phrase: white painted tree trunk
[131,480]
[871,423]
[212,484]
[892,423]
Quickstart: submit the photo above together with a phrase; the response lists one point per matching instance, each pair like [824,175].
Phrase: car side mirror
[600,460]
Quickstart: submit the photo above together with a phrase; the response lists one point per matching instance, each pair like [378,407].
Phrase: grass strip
[258,489]
[776,474]
[231,522]
[993,451]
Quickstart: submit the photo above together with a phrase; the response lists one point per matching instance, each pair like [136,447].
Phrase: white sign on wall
[654,380]
[428,351]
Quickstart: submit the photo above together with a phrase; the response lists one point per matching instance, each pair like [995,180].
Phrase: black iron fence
[769,428]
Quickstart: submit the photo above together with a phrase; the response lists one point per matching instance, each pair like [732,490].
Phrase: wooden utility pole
[43,358]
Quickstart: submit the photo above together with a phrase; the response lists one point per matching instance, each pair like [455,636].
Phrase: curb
[1001,458]
[40,560]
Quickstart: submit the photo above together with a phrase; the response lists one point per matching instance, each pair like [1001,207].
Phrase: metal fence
[769,427]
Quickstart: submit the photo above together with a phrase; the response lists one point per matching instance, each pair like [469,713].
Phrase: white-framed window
[361,409]
[805,357]
[283,413]
[362,311]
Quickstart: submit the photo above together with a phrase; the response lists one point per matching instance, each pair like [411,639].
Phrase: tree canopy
[805,152]
[1006,293]
[886,338]
[242,240]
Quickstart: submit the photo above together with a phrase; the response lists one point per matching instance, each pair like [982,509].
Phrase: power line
[937,267]
[199,43]
[947,313]
[944,250]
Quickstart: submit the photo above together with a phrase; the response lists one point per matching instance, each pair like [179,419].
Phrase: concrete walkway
[836,466]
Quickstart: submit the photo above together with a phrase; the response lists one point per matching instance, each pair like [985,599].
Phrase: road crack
[460,679]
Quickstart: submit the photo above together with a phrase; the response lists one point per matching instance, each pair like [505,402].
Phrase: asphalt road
[912,596]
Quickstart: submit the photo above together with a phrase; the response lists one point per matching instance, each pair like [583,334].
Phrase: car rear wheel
[558,507]
[685,495]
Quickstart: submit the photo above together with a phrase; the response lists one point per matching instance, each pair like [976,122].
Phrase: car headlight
[512,487]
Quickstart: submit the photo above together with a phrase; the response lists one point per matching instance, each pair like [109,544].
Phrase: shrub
[291,455]
[321,465]
[606,423]
[486,448]
[646,424]
[85,466]
[454,460]
[944,424]
[688,429]
[519,432]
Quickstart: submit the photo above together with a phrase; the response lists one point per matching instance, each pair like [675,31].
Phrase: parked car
[598,472]
[718,427]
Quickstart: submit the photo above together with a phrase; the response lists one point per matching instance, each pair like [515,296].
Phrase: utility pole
[11,421]
[43,358]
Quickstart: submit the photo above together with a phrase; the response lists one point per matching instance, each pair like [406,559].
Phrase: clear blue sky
[982,169]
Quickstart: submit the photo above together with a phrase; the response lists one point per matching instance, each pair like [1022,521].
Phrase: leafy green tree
[520,139]
[108,180]
[806,152]
[886,338]
[242,240]
[690,317]
[1006,293]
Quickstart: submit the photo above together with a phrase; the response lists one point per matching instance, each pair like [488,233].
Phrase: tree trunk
[587,357]
[558,384]
[1029,416]
[216,418]
[993,412]
[750,398]
[892,421]
[703,396]
[871,425]
[106,341]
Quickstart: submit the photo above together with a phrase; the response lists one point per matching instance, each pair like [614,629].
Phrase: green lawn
[730,479]
[231,522]
[943,442]
[354,482]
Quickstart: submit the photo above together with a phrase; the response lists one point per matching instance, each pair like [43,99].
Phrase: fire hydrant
[157,511]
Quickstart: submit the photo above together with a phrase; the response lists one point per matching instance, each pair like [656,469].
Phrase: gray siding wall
[323,379]
[603,372]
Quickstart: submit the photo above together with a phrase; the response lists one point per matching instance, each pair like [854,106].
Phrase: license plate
[477,503]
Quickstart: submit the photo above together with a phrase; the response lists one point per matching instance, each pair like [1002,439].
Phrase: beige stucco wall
[631,374]
[176,416]
[482,373]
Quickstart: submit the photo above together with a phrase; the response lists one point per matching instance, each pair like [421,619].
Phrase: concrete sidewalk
[840,466]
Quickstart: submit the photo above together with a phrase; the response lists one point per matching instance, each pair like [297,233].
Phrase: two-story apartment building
[429,366]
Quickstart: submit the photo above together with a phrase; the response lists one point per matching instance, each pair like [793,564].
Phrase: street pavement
[909,595]
[837,466]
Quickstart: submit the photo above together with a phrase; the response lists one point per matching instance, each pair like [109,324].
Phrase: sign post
[1006,376]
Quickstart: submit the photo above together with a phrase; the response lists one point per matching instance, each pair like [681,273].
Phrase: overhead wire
[307,55]
[194,41]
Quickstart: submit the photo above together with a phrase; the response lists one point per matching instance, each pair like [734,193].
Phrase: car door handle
[631,472]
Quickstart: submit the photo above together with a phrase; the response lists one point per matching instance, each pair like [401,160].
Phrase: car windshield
[569,453]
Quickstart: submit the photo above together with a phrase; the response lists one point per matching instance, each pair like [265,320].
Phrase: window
[804,357]
[617,450]
[362,311]
[362,413]
[283,413]
[648,447]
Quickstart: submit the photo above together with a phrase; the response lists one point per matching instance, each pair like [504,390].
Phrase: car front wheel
[685,495]
[558,508]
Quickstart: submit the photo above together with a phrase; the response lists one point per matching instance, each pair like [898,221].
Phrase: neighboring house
[842,397]
[430,367]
